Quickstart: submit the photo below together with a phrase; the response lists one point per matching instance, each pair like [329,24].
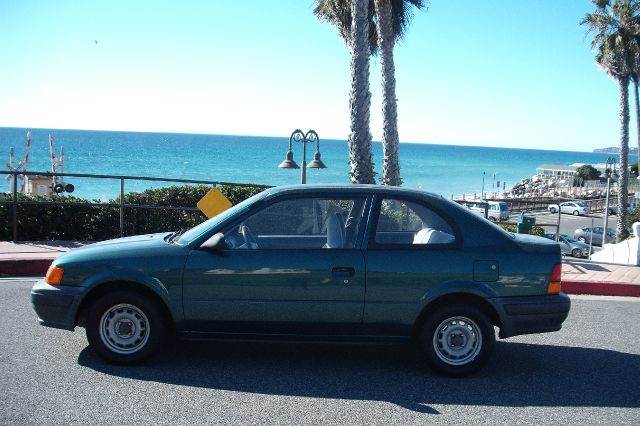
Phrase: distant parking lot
[568,223]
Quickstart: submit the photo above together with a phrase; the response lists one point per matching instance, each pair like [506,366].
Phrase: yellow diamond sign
[213,203]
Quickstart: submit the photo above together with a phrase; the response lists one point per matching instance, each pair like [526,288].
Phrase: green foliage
[632,217]
[509,227]
[586,172]
[77,220]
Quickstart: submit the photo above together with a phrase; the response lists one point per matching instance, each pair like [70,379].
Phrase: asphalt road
[587,373]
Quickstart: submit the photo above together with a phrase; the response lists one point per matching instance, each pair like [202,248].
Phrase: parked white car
[576,208]
[496,210]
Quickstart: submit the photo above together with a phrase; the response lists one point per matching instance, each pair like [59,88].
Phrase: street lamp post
[482,193]
[610,167]
[304,138]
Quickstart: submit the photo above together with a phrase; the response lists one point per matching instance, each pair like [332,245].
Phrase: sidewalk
[32,258]
[607,279]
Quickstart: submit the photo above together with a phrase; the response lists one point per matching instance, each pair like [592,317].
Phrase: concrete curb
[24,267]
[600,288]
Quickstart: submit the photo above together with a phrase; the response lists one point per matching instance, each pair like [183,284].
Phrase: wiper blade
[174,236]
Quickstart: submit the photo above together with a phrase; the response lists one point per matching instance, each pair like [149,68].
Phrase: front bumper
[531,314]
[56,306]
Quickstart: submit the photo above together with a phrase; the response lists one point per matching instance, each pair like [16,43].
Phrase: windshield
[197,231]
[581,203]
[568,238]
[503,207]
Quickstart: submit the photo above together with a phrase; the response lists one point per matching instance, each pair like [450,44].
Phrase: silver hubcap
[457,340]
[124,328]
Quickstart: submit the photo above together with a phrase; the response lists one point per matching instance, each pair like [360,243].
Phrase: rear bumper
[531,314]
[56,306]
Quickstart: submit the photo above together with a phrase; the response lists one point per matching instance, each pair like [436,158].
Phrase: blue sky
[497,73]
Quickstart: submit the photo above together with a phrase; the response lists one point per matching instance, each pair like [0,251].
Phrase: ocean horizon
[443,169]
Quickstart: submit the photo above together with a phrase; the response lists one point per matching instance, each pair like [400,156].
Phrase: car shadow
[517,375]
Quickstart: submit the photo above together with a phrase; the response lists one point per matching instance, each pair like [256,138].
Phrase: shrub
[509,227]
[77,220]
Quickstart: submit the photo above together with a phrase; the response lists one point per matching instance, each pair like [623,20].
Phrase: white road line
[604,298]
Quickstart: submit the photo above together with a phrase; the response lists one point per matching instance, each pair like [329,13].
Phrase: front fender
[124,274]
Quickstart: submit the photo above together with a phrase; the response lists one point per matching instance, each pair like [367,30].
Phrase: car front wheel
[125,327]
[553,210]
[576,213]
[582,239]
[457,339]
[576,253]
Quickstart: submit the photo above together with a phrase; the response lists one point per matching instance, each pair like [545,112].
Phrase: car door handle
[341,272]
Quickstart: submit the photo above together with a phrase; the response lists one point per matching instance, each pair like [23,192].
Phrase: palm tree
[392,18]
[615,25]
[353,19]
[635,78]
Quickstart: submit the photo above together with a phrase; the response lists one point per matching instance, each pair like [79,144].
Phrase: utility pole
[482,193]
[608,170]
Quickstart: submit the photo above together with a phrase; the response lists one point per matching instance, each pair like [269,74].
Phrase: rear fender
[470,287]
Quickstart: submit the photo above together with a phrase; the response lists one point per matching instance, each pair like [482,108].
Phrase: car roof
[351,188]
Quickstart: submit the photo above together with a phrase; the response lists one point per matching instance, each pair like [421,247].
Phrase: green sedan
[332,263]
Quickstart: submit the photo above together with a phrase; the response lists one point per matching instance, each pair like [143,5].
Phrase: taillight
[554,281]
[54,275]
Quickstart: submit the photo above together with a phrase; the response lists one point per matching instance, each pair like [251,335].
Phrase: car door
[411,247]
[597,235]
[564,246]
[566,207]
[294,266]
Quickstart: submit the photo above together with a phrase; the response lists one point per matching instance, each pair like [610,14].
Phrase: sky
[516,73]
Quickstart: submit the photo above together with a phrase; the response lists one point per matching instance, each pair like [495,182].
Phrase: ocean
[443,169]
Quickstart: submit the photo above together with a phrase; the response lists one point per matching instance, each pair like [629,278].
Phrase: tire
[475,353]
[576,213]
[576,253]
[141,321]
[582,239]
[553,211]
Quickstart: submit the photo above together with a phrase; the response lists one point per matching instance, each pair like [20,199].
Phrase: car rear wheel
[552,210]
[582,239]
[576,213]
[457,339]
[125,327]
[576,253]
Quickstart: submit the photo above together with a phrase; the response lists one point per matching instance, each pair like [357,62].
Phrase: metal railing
[121,205]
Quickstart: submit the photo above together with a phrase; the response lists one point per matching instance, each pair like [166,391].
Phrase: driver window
[300,223]
[407,223]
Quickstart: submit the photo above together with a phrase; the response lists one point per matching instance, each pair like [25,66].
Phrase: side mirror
[215,243]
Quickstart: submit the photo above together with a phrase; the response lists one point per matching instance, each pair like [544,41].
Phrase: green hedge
[79,221]
[535,230]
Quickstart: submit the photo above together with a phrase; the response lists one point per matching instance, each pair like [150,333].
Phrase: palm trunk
[390,138]
[621,231]
[360,161]
[637,102]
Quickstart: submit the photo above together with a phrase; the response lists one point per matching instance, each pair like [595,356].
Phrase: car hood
[129,240]
[535,244]
[134,246]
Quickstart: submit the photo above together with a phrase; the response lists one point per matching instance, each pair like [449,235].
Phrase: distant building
[38,185]
[564,171]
